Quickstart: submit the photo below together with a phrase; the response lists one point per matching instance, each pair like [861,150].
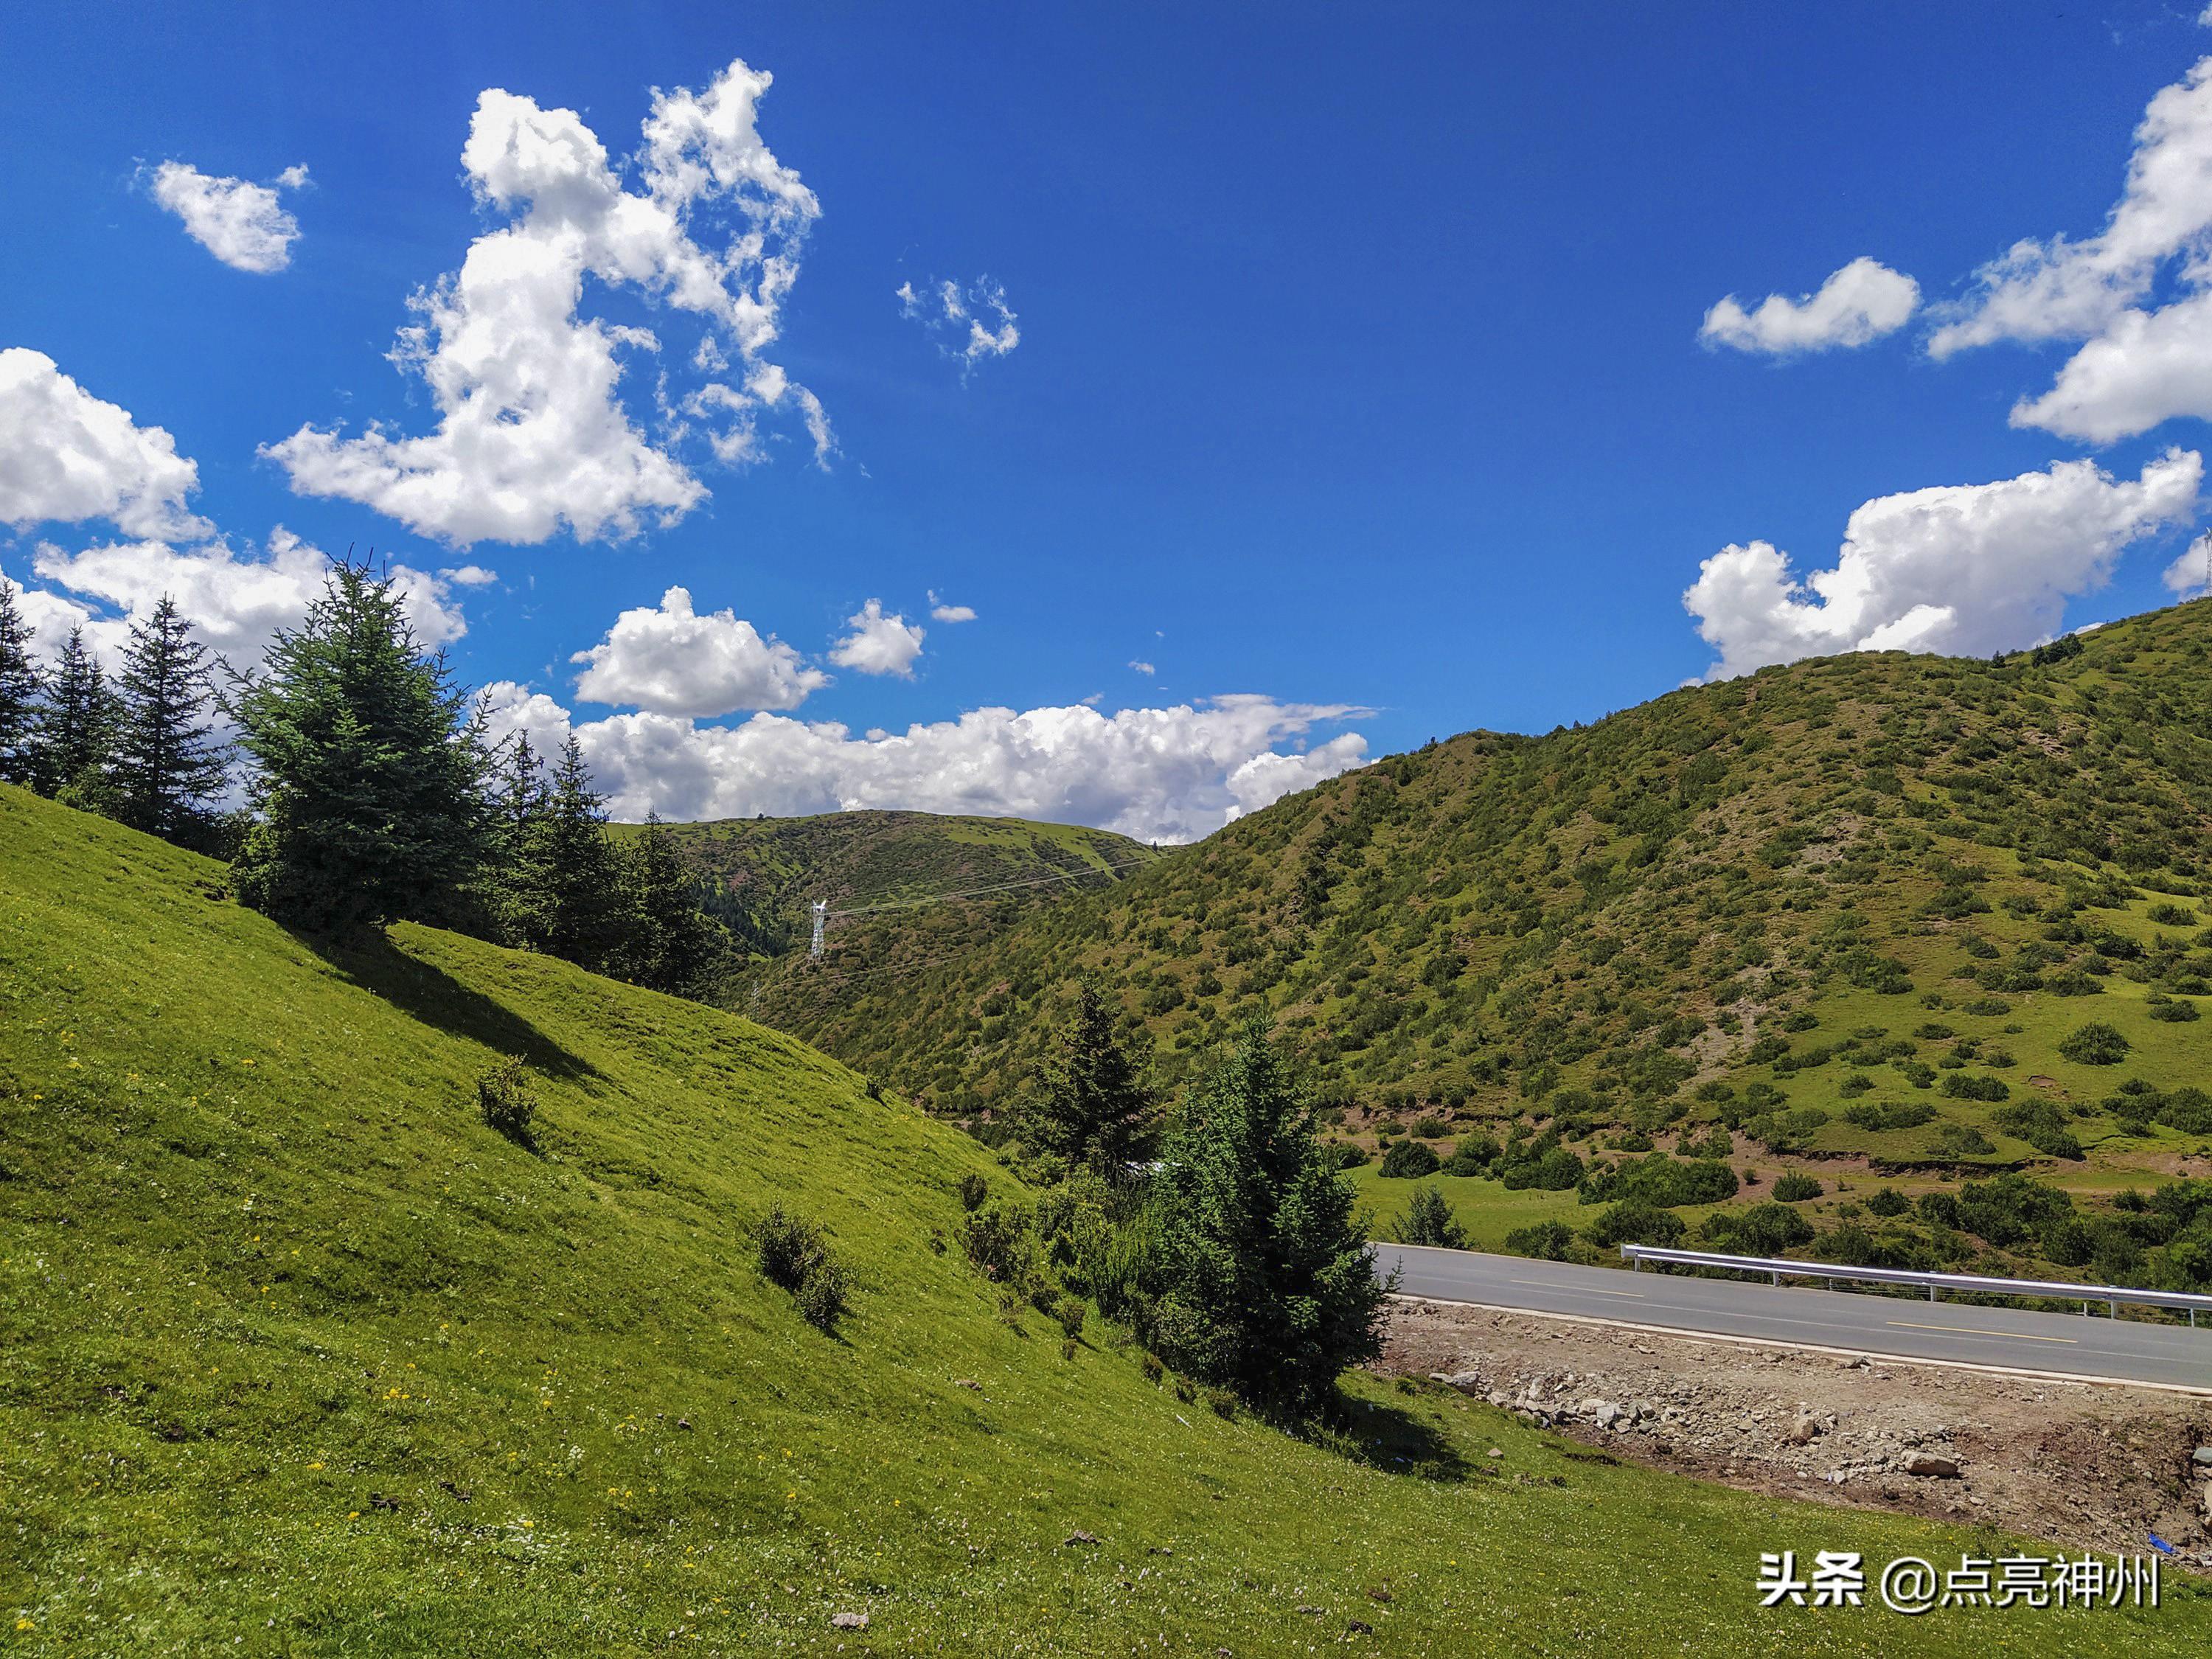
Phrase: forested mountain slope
[1856,904]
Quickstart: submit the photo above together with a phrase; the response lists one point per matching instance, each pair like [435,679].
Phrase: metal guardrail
[1779,1268]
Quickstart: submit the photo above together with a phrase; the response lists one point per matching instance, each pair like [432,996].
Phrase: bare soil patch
[2088,1465]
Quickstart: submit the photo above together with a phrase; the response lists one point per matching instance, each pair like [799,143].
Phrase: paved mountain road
[2004,1339]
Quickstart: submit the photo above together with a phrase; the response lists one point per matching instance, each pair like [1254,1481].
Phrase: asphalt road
[2002,1338]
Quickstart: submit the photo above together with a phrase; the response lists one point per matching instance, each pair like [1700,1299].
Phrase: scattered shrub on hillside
[1072,1311]
[2189,1110]
[1901,1114]
[1661,1182]
[1349,1154]
[1547,1241]
[998,1239]
[1786,1131]
[2172,916]
[2171,1009]
[1635,1221]
[2094,1044]
[1432,1128]
[1858,1084]
[1762,1230]
[1429,1220]
[1960,1141]
[794,1255]
[1958,1086]
[504,1098]
[1986,1007]
[974,1189]
[1408,1160]
[1541,1163]
[1475,1155]
[1153,1370]
[2038,1123]
[1795,1188]
[1888,1201]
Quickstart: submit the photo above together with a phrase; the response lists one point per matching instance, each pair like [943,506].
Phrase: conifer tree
[1261,1278]
[370,768]
[1092,1106]
[168,766]
[669,943]
[19,692]
[77,727]
[519,801]
[569,876]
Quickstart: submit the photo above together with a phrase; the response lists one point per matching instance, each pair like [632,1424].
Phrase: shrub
[1959,1086]
[2172,916]
[1903,1115]
[1633,1221]
[1795,1189]
[1661,1182]
[2094,1044]
[1546,1241]
[2189,1110]
[2168,1008]
[999,1240]
[1888,1201]
[1431,1128]
[1222,1404]
[1474,1156]
[1552,1170]
[1429,1220]
[794,1255]
[1408,1160]
[504,1097]
[1348,1154]
[1070,1312]
[1986,1007]
[1718,1143]
[1152,1367]
[1960,1141]
[1762,1230]
[974,1189]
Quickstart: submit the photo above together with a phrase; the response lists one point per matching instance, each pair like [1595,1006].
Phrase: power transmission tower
[821,915]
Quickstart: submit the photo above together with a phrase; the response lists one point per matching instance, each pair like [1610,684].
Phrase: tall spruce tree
[1261,1279]
[168,765]
[369,795]
[77,726]
[518,798]
[669,942]
[1091,1106]
[19,693]
[570,876]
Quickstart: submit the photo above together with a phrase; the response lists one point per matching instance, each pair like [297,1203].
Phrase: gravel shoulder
[2088,1465]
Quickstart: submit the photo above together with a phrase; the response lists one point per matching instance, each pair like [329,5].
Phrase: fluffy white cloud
[1966,568]
[66,456]
[671,660]
[1157,773]
[533,434]
[878,644]
[1860,303]
[940,611]
[469,575]
[1143,667]
[239,221]
[947,308]
[235,604]
[2141,364]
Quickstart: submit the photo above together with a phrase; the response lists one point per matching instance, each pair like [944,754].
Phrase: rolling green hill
[1853,907]
[764,873]
[297,1356]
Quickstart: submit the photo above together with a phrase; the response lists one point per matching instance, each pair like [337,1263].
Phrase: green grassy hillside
[297,1356]
[765,873]
[1853,906]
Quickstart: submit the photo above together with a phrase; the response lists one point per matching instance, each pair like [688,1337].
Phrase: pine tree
[1092,1106]
[669,944]
[1261,1279]
[167,765]
[509,894]
[370,768]
[19,692]
[569,874]
[77,728]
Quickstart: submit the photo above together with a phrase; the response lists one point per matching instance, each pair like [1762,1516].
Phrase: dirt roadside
[2089,1466]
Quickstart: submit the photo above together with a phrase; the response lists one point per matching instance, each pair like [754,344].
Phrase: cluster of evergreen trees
[372,792]
[136,747]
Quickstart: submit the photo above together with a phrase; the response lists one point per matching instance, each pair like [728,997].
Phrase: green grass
[1485,1208]
[273,1298]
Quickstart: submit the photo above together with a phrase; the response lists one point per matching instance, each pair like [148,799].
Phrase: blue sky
[1358,363]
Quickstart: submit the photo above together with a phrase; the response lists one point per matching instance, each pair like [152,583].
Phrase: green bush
[1408,1160]
[974,1189]
[1072,1311]
[1888,1201]
[2171,1009]
[1547,1241]
[1429,1220]
[1348,1154]
[2094,1044]
[1634,1221]
[1959,1086]
[1795,1188]
[1474,1156]
[1431,1128]
[1661,1181]
[2172,916]
[1901,1114]
[504,1097]
[794,1255]
[1762,1230]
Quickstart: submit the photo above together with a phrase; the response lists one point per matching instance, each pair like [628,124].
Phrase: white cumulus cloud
[235,604]
[2142,361]
[1966,568]
[1858,304]
[940,611]
[239,221]
[532,435]
[66,457]
[1157,773]
[878,644]
[671,660]
[971,323]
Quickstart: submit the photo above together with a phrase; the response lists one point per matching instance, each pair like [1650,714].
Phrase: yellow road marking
[2000,1336]
[1583,1289]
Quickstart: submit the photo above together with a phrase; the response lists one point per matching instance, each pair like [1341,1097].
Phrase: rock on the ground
[1930,1466]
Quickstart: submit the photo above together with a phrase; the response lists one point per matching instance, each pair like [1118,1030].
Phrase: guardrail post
[1931,1292]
